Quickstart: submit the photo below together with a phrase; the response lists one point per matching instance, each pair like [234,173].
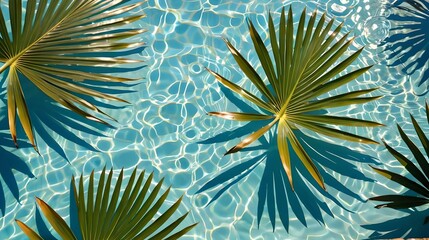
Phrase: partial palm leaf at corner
[302,66]
[50,39]
[419,171]
[106,215]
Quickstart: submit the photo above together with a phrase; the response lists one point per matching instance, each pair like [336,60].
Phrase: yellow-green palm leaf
[303,65]
[50,39]
[103,214]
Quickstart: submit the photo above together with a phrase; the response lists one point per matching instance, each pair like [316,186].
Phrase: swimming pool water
[164,128]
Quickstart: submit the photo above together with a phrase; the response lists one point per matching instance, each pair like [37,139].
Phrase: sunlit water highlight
[161,129]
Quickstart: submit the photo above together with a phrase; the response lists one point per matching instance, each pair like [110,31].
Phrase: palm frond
[105,215]
[50,39]
[419,171]
[302,66]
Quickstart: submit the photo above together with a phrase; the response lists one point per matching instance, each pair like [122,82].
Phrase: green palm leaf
[303,65]
[130,215]
[53,36]
[419,172]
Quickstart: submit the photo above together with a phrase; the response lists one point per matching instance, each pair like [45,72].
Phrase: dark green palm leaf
[408,183]
[419,171]
[52,36]
[129,215]
[302,66]
[399,201]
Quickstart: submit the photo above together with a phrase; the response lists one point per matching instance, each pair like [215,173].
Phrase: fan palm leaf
[106,215]
[419,171]
[300,69]
[50,40]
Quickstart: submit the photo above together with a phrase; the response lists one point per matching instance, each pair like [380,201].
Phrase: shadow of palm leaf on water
[54,123]
[274,190]
[49,119]
[408,43]
[11,164]
[401,227]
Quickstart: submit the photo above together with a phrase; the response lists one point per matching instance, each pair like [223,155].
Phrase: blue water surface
[165,129]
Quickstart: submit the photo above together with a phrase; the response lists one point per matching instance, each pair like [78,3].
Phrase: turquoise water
[162,129]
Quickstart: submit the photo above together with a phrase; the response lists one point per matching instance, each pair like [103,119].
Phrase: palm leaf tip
[30,233]
[55,220]
[40,46]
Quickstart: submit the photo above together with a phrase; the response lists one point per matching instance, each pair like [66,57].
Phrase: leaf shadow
[52,121]
[409,226]
[10,163]
[274,192]
[407,43]
[42,228]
